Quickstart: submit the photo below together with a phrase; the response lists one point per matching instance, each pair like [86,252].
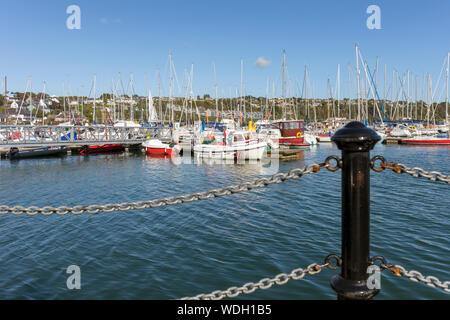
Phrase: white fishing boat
[230,146]
[267,132]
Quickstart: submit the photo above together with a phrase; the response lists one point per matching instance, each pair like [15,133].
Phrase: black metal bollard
[355,141]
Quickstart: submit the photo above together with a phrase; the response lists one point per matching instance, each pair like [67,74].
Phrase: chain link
[413,275]
[262,284]
[139,205]
[415,172]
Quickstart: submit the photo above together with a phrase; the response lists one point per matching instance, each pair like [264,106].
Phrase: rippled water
[199,247]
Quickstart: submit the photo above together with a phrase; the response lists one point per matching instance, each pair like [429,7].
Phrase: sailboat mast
[266,103]
[147,103]
[313,106]
[64,101]
[132,101]
[31,93]
[417,78]
[284,84]
[241,104]
[273,101]
[357,87]
[328,99]
[446,97]
[429,100]
[5,104]
[171,87]
[215,87]
[43,107]
[338,88]
[120,92]
[191,92]
[407,94]
[305,86]
[348,92]
[159,97]
[374,105]
[95,102]
[113,88]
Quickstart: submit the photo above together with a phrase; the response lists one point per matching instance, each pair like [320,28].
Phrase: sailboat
[102,148]
[292,131]
[435,140]
[155,146]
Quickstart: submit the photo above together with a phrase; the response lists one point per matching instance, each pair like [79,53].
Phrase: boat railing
[28,135]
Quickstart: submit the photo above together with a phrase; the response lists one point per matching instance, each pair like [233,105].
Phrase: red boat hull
[160,151]
[293,142]
[102,149]
[431,142]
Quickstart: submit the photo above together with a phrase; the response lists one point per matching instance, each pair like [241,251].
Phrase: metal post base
[351,289]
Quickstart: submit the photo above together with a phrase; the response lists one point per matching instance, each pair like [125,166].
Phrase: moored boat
[102,149]
[15,153]
[157,147]
[231,146]
[268,133]
[324,137]
[292,134]
[429,141]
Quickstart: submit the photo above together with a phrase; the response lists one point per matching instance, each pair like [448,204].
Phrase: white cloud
[104,20]
[262,63]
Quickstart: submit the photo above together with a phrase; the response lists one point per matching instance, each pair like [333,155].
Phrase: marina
[231,150]
[280,122]
[75,163]
[195,154]
[220,243]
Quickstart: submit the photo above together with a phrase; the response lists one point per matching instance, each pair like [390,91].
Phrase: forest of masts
[405,96]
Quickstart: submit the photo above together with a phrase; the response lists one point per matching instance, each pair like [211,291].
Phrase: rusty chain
[412,275]
[215,193]
[266,283]
[401,168]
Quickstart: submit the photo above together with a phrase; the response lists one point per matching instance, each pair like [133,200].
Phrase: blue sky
[136,37]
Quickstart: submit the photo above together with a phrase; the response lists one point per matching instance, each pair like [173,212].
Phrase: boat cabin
[291,128]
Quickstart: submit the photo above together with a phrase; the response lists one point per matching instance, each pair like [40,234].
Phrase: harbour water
[199,247]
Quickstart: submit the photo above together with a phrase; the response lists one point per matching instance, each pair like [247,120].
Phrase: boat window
[291,125]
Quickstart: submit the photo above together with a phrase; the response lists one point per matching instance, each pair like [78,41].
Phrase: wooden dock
[286,154]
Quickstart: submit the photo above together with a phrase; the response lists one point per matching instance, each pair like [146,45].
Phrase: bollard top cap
[355,136]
